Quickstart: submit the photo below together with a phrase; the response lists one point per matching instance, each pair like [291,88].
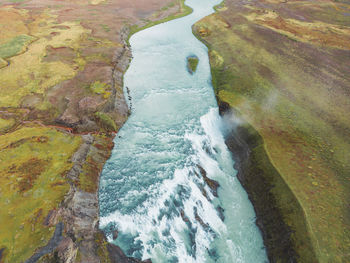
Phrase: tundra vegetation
[283,66]
[61,66]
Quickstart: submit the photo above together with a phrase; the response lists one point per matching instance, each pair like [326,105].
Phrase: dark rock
[117,256]
[243,142]
[204,193]
[183,216]
[115,234]
[213,185]
[51,245]
[221,212]
[223,107]
[2,253]
[200,220]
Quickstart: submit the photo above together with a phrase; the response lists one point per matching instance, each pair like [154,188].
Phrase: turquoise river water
[151,189]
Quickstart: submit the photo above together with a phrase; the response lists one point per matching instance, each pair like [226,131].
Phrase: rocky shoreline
[259,177]
[77,237]
[72,98]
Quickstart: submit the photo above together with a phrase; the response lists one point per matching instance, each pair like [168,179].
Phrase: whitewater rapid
[152,189]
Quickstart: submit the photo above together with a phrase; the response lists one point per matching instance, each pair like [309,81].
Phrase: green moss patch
[106,121]
[15,46]
[101,88]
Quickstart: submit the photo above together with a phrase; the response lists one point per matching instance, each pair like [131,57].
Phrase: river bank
[78,216]
[288,87]
[58,121]
[281,220]
[258,176]
[82,240]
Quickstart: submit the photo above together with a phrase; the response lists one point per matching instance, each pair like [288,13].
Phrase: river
[153,188]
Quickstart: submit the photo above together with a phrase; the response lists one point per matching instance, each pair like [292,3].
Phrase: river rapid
[153,188]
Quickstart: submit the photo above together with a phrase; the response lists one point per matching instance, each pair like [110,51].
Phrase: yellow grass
[27,73]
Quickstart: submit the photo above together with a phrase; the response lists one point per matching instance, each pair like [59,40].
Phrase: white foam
[163,143]
[141,222]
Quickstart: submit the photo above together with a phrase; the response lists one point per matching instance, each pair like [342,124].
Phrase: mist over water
[152,189]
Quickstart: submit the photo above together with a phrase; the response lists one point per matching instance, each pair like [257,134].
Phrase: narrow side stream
[155,189]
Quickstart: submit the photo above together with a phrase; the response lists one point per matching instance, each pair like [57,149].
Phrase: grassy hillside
[284,67]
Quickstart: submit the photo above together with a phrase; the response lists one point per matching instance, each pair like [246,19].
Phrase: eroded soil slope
[61,66]
[284,67]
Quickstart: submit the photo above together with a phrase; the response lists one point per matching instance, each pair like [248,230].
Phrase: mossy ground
[29,73]
[101,88]
[291,83]
[15,46]
[34,162]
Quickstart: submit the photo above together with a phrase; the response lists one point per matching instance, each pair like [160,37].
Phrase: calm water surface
[151,189]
